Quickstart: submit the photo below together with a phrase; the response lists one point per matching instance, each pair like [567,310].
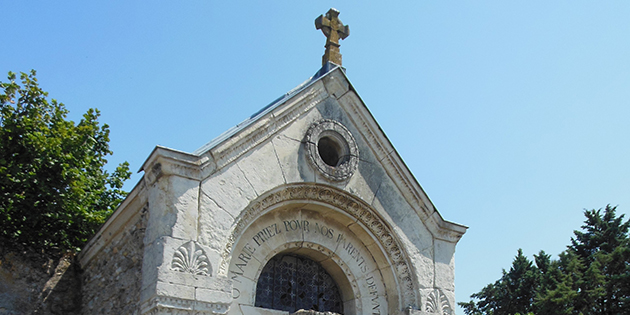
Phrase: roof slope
[236,141]
[328,67]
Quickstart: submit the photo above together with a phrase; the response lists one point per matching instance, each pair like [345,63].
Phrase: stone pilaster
[178,273]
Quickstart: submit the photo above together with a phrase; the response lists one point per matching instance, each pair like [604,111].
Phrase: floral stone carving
[191,258]
[438,303]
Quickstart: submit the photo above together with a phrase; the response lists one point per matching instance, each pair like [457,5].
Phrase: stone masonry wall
[112,279]
[36,283]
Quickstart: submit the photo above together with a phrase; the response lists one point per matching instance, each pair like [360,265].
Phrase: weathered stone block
[175,290]
[173,204]
[212,296]
[229,189]
[261,169]
[445,265]
[214,224]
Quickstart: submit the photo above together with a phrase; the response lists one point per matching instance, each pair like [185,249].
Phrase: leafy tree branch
[54,191]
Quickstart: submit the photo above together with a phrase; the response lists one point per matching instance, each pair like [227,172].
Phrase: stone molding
[165,161]
[331,128]
[337,199]
[311,312]
[398,171]
[175,306]
[262,130]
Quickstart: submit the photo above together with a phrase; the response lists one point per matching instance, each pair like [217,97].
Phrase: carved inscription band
[336,199]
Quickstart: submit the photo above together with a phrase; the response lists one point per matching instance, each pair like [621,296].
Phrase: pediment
[382,179]
[311,174]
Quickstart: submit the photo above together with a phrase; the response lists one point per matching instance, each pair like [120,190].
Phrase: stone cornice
[171,305]
[398,170]
[165,161]
[268,125]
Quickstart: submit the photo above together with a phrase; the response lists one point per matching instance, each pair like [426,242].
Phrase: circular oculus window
[331,149]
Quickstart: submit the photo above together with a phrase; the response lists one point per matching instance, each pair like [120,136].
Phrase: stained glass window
[291,283]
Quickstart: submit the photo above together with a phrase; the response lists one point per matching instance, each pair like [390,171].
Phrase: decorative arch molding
[341,201]
[331,238]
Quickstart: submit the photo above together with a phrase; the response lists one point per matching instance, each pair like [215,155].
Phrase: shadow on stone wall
[36,283]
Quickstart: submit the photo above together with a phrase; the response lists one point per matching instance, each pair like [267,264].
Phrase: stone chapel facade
[304,205]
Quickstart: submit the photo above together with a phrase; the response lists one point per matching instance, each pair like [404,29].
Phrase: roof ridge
[325,69]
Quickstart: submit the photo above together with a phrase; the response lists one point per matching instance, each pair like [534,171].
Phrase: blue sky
[513,115]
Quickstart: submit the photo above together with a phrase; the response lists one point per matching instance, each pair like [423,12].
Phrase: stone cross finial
[334,30]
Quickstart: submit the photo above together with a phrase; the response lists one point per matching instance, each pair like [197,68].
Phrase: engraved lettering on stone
[438,303]
[266,233]
[324,230]
[243,257]
[353,252]
[296,225]
[349,204]
[190,258]
[242,260]
[372,290]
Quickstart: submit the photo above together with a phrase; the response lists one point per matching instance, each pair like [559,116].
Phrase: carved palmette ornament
[190,258]
[438,303]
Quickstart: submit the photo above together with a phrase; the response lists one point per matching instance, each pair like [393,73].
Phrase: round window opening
[330,151]
[291,283]
[331,148]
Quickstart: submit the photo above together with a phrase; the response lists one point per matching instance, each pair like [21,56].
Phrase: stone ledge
[170,305]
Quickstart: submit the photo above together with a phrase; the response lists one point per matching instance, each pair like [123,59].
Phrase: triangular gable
[329,80]
[313,158]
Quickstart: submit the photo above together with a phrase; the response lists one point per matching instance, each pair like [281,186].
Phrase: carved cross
[334,30]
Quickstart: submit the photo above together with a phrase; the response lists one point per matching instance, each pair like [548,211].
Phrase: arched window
[290,283]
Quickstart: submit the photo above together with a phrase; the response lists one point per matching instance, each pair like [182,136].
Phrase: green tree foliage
[592,276]
[54,192]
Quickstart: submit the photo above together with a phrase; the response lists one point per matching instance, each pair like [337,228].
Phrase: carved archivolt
[191,258]
[337,199]
[438,303]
